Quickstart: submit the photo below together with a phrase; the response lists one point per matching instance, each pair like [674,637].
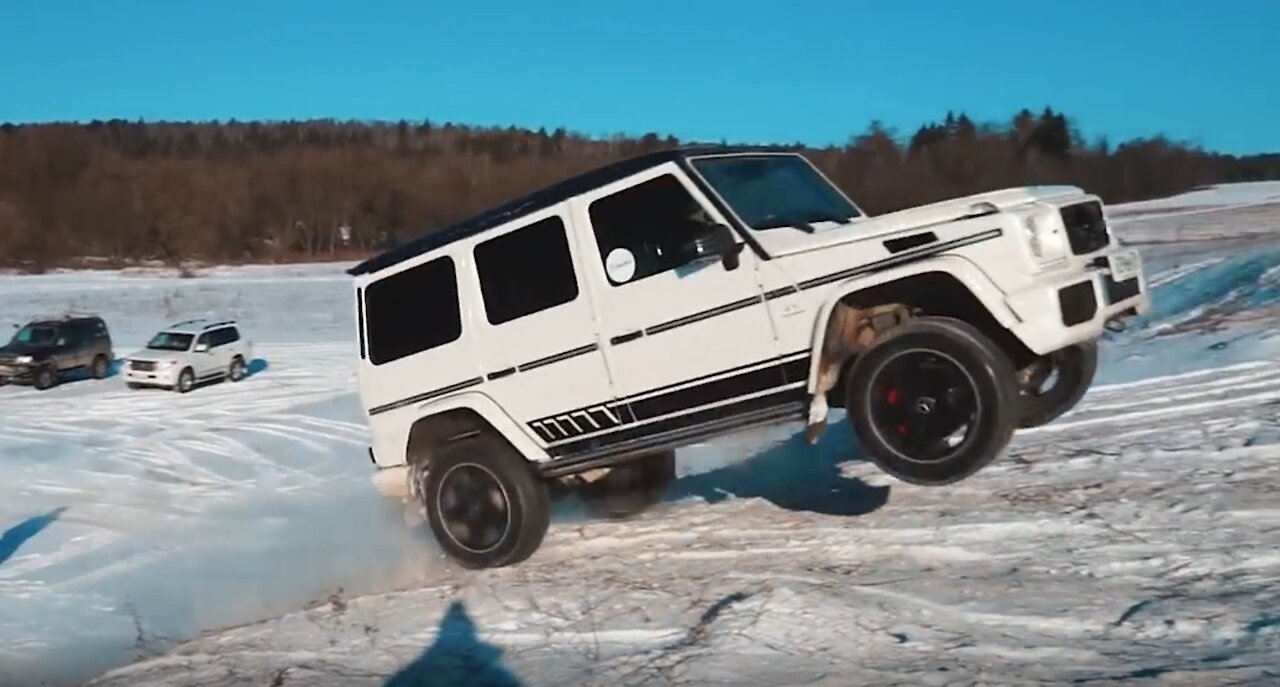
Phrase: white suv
[577,336]
[189,353]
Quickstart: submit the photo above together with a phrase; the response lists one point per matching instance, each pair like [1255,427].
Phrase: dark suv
[42,350]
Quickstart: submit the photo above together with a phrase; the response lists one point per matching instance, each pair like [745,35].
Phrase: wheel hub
[474,508]
[924,405]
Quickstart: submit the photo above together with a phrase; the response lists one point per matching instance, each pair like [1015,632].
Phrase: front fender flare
[957,267]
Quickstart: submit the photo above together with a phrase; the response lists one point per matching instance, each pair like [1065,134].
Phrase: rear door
[535,326]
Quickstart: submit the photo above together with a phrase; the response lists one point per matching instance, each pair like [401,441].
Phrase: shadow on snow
[16,536]
[456,657]
[792,475]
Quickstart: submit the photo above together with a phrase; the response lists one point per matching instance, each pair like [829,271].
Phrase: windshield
[774,191]
[36,335]
[168,341]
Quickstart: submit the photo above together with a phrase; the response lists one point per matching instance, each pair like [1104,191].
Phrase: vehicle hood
[13,350]
[915,217]
[148,355]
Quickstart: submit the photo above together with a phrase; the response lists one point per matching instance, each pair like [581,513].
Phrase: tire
[186,381]
[46,377]
[237,370]
[513,508]
[630,488]
[99,367]
[1075,367]
[919,384]
[133,385]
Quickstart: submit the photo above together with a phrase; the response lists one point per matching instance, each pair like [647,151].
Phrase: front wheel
[186,381]
[46,377]
[486,506]
[933,402]
[1055,383]
[630,488]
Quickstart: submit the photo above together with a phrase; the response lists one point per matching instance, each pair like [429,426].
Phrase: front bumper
[160,376]
[15,372]
[1061,309]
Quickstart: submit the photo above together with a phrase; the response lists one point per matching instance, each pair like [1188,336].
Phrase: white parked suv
[577,336]
[189,353]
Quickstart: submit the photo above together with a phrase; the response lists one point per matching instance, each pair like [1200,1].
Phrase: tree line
[121,191]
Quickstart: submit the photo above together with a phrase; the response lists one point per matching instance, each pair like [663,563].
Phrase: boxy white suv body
[189,353]
[577,336]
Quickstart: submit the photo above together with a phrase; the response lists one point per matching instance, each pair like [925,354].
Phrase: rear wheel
[486,506]
[630,488]
[1055,383]
[99,367]
[236,373]
[933,402]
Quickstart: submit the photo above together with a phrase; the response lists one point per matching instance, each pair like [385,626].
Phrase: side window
[224,336]
[526,271]
[412,311]
[206,339]
[651,221]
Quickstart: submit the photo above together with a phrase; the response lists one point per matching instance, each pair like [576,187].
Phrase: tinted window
[412,311]
[652,221]
[206,339]
[775,191]
[224,336]
[525,271]
[167,341]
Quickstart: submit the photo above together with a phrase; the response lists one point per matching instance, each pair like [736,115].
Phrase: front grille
[1086,227]
[1078,303]
[142,365]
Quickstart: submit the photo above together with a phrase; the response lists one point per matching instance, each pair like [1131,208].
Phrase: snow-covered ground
[231,536]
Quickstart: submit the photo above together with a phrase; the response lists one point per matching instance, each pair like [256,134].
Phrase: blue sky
[742,70]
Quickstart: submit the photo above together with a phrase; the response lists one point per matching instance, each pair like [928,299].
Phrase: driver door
[678,336]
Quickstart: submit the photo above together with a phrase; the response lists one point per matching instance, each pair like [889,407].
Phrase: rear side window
[526,271]
[412,311]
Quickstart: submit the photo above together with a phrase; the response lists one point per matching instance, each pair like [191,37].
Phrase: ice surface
[1135,538]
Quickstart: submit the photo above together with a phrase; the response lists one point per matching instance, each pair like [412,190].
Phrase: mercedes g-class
[575,337]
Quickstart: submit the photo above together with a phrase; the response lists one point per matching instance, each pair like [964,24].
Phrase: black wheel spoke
[919,401]
[474,507]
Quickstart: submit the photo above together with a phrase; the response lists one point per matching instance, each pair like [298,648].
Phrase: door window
[640,231]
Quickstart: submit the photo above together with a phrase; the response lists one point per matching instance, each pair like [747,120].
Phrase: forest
[113,193]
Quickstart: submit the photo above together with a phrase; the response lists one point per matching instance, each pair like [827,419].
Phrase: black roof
[538,200]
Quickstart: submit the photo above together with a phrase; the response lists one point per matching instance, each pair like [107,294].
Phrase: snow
[231,536]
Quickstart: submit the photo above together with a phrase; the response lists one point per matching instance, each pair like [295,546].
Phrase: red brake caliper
[891,396]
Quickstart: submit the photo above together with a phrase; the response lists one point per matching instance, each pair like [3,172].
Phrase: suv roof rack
[201,323]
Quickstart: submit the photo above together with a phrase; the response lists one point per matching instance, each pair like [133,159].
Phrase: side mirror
[713,243]
[202,348]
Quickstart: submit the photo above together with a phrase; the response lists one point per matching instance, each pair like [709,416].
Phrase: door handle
[629,336]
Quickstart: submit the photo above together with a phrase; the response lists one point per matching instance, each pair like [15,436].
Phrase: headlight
[23,360]
[1046,237]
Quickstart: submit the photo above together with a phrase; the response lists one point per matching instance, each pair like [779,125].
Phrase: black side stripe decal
[500,374]
[572,353]
[705,314]
[702,421]
[801,364]
[900,259]
[426,396]
[654,406]
[911,248]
